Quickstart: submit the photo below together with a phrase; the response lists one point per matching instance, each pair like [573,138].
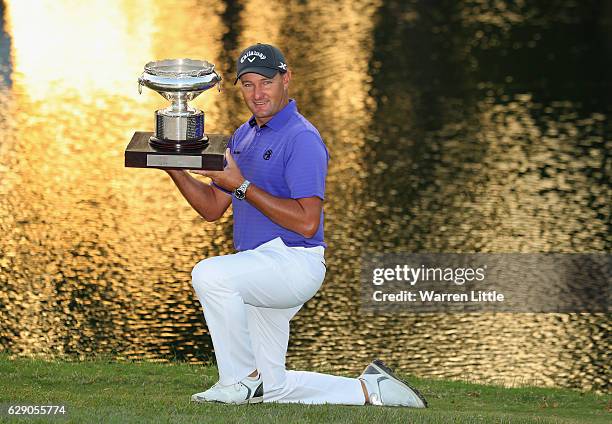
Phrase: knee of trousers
[208,277]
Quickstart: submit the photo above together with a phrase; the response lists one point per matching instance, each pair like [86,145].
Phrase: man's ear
[287,77]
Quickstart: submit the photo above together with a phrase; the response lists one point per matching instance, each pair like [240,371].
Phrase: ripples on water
[480,126]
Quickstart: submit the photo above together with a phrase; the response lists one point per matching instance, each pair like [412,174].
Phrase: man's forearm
[288,213]
[200,196]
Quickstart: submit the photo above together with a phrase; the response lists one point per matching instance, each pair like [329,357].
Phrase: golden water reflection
[87,47]
[95,258]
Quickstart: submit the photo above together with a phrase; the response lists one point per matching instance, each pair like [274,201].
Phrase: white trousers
[248,300]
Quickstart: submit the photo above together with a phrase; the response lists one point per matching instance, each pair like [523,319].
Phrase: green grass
[106,391]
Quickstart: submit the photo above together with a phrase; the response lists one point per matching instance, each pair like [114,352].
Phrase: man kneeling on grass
[275,182]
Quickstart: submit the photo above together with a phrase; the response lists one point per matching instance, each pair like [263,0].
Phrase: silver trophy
[179,140]
[179,126]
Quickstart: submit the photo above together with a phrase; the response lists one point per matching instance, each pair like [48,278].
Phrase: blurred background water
[454,126]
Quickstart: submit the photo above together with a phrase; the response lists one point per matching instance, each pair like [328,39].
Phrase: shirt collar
[280,119]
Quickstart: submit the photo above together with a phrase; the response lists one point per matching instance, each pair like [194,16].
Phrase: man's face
[265,96]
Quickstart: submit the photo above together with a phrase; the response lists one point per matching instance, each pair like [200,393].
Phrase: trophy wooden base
[140,154]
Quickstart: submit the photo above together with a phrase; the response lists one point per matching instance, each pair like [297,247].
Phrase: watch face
[240,192]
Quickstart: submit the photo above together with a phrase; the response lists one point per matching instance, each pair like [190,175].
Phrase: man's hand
[230,178]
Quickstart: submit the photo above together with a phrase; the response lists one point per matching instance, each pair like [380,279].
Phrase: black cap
[263,59]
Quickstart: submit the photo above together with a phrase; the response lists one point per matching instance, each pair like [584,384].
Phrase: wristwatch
[240,192]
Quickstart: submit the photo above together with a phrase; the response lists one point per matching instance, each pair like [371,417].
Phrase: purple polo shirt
[287,158]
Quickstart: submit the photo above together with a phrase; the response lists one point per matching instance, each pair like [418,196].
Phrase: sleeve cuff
[302,196]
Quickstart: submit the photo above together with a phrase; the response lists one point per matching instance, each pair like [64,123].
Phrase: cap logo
[252,53]
[283,66]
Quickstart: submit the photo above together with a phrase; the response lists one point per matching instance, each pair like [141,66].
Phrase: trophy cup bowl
[179,127]
[179,140]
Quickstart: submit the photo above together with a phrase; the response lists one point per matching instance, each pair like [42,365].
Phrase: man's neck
[263,121]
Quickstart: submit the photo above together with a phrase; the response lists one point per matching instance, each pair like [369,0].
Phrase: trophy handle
[139,86]
[218,80]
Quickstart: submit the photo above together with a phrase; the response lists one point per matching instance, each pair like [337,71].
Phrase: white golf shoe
[384,388]
[249,390]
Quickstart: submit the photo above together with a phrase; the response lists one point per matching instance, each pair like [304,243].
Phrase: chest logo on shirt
[267,154]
